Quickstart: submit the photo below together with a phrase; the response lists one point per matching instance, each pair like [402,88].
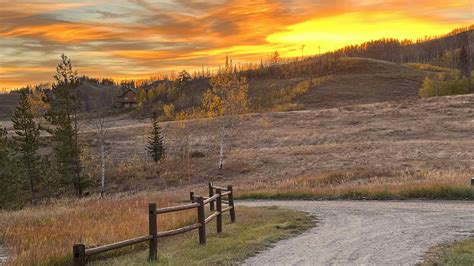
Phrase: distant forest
[440,51]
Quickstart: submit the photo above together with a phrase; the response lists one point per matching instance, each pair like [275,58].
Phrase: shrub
[443,85]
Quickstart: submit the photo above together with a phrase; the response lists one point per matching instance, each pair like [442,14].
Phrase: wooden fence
[215,200]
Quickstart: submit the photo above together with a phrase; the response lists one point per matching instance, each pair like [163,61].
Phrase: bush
[443,85]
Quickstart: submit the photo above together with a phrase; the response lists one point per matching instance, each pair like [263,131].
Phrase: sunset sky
[142,38]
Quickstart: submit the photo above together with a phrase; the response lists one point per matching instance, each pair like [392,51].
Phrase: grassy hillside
[422,140]
[308,84]
[361,81]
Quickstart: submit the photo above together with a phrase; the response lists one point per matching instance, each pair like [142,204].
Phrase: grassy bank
[365,185]
[255,229]
[460,253]
[457,253]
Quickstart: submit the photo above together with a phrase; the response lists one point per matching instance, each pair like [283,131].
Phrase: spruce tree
[464,65]
[27,144]
[156,146]
[63,116]
[8,182]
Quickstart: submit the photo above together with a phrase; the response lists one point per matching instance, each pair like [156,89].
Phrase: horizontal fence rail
[215,200]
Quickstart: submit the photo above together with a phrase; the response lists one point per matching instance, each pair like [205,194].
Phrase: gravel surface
[369,232]
[3,255]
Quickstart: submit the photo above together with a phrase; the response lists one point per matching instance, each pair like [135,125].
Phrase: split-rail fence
[215,201]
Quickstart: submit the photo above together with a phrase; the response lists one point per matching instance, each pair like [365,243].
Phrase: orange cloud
[61,33]
[132,38]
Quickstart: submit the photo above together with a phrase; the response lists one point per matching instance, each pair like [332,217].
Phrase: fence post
[219,210]
[191,196]
[231,203]
[79,254]
[201,220]
[153,231]
[211,193]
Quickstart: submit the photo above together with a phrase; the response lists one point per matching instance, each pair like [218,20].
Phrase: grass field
[255,229]
[45,234]
[457,253]
[392,145]
[453,185]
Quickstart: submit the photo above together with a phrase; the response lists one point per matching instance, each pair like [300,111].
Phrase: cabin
[128,98]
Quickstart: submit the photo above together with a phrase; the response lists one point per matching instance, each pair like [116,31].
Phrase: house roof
[134,90]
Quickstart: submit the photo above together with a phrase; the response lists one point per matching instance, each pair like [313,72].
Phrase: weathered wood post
[153,231]
[191,196]
[219,210]
[79,254]
[231,203]
[211,193]
[201,220]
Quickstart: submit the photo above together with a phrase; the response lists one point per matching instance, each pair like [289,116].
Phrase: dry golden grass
[419,136]
[366,184]
[45,234]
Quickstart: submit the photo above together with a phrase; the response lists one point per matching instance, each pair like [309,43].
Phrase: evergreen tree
[27,143]
[464,63]
[64,106]
[183,78]
[8,182]
[156,146]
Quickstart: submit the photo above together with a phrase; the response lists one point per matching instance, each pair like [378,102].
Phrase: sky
[137,39]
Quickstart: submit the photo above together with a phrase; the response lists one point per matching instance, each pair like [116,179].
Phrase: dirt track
[369,232]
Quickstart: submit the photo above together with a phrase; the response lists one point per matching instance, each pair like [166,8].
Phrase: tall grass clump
[45,234]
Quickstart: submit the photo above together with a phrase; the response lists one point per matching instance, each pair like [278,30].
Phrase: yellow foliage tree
[38,106]
[168,111]
[227,97]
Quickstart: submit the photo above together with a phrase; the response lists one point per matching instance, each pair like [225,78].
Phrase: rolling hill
[362,80]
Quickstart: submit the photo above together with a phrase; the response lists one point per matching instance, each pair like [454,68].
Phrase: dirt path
[369,232]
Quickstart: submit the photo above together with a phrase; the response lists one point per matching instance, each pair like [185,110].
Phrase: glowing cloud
[141,38]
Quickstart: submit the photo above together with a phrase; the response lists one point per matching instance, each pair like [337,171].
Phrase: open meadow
[390,146]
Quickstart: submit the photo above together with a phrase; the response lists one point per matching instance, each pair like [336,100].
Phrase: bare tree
[101,131]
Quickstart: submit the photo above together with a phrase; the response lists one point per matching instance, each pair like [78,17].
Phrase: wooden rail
[224,191]
[81,253]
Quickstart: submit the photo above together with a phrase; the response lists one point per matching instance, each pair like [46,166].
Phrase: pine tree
[183,78]
[8,182]
[156,146]
[64,106]
[27,143]
[464,63]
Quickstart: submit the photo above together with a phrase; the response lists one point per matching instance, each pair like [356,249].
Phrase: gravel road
[3,255]
[369,232]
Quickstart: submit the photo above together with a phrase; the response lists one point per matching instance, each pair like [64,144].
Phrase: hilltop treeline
[441,51]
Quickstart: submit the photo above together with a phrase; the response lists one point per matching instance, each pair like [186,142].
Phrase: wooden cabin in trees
[128,98]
